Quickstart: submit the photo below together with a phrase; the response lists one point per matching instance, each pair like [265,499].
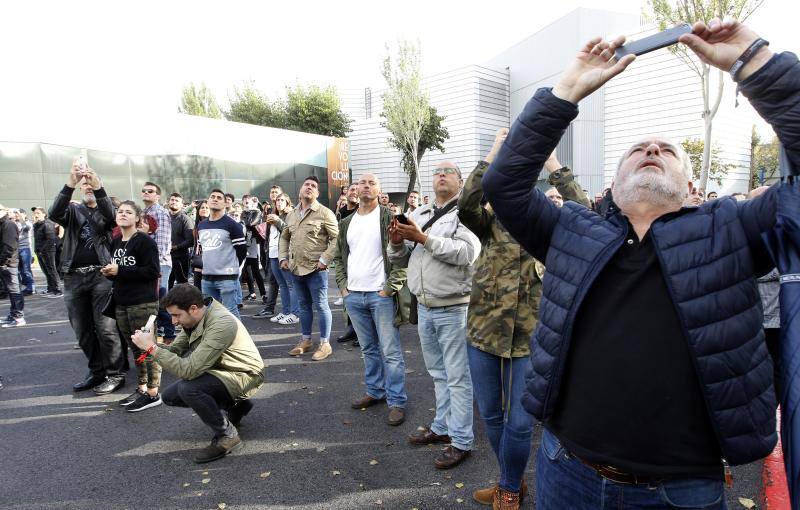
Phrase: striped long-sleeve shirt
[163,234]
[223,246]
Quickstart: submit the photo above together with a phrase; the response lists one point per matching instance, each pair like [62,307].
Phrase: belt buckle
[615,475]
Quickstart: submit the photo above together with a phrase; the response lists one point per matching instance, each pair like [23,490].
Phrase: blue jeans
[372,317]
[164,322]
[312,289]
[443,336]
[508,424]
[563,481]
[223,291]
[286,286]
[25,273]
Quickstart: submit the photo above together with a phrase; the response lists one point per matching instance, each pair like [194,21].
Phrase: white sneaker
[289,319]
[339,301]
[19,321]
[277,318]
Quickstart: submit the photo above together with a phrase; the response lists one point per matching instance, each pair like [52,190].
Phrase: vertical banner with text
[338,168]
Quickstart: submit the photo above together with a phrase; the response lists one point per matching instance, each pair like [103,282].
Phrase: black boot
[349,334]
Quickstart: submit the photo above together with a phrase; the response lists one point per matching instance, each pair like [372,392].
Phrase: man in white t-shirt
[370,285]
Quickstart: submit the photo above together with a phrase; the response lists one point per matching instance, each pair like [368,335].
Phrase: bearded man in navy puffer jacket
[648,367]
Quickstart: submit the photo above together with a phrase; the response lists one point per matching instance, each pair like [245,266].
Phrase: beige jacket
[309,240]
[219,345]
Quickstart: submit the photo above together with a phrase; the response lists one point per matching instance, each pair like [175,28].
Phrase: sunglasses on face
[445,171]
[148,191]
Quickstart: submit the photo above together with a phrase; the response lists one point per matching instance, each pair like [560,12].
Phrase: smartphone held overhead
[654,42]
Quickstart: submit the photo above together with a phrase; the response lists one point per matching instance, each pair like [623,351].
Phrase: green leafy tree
[433,136]
[316,110]
[695,148]
[668,13]
[200,101]
[250,106]
[763,157]
[407,110]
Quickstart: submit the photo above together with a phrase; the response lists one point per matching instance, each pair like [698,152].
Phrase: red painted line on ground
[776,489]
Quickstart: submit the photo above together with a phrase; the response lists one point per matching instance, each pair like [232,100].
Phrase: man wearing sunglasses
[151,196]
[439,252]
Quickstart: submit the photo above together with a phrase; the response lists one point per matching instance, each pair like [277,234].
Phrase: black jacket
[44,236]
[182,234]
[9,243]
[69,216]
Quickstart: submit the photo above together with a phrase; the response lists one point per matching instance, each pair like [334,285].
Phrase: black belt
[618,476]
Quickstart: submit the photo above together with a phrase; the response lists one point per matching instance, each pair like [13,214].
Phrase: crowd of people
[629,325]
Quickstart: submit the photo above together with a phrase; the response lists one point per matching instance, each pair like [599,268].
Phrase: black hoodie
[9,243]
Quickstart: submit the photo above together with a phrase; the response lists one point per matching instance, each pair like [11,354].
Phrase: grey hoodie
[440,271]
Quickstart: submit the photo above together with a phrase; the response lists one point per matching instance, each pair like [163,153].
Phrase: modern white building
[475,103]
[658,94]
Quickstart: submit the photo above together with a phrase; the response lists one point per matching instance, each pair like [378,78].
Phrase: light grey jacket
[769,287]
[440,271]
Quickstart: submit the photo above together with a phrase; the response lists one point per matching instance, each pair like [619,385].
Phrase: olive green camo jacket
[507,286]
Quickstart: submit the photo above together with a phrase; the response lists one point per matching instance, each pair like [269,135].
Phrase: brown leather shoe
[427,437]
[505,500]
[486,496]
[302,347]
[450,457]
[366,401]
[397,415]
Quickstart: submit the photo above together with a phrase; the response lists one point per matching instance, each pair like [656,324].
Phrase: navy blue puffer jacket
[708,255]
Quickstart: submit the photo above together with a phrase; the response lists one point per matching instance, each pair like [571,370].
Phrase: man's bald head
[369,188]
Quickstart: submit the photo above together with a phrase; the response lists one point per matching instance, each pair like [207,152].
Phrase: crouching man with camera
[219,366]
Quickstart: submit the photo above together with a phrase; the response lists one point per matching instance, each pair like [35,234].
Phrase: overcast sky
[96,57]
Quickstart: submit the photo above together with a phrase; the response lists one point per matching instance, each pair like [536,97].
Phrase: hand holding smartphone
[401,218]
[654,42]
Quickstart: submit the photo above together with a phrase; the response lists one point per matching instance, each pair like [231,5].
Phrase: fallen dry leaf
[222,506]
[747,503]
[336,472]
[187,484]
[265,474]
[378,501]
[205,472]
[459,485]
[205,480]
[373,462]
[459,500]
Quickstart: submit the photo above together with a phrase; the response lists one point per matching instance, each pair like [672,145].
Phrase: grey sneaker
[218,448]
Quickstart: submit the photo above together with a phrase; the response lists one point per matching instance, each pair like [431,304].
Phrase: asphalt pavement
[304,446]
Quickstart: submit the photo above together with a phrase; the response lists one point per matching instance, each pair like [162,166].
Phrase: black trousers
[207,397]
[86,296]
[47,262]
[251,271]
[180,270]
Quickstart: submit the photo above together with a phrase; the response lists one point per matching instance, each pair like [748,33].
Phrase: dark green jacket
[507,286]
[396,275]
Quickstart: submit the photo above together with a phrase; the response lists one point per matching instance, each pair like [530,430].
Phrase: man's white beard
[650,187]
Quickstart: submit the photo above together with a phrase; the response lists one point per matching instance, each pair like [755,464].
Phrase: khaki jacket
[219,345]
[309,240]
